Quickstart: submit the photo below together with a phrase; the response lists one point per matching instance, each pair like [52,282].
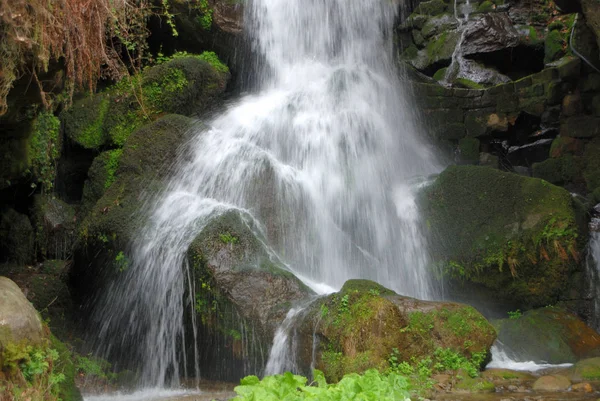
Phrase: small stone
[582,388]
[552,383]
[513,388]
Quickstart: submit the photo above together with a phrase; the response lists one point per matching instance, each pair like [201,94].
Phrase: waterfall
[324,155]
[593,271]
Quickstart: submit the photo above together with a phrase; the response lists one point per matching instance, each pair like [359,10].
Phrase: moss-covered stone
[108,227]
[515,235]
[554,47]
[240,288]
[559,170]
[439,49]
[186,84]
[469,150]
[364,324]
[587,369]
[432,7]
[550,334]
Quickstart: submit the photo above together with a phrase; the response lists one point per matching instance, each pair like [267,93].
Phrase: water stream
[325,156]
[593,272]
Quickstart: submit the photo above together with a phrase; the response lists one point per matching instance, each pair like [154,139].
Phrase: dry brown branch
[85,37]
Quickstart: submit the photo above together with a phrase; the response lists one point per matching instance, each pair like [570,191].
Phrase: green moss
[361,328]
[559,170]
[467,83]
[486,7]
[555,46]
[184,84]
[112,164]
[44,149]
[432,7]
[476,385]
[523,248]
[469,150]
[440,74]
[410,53]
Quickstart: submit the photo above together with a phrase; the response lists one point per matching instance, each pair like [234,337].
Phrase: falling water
[593,271]
[324,156]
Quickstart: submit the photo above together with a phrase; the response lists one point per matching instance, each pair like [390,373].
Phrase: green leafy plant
[227,238]
[514,314]
[121,262]
[370,386]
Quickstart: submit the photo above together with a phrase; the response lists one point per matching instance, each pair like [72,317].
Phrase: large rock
[113,219]
[489,33]
[362,325]
[18,318]
[241,290]
[551,334]
[516,236]
[552,383]
[187,85]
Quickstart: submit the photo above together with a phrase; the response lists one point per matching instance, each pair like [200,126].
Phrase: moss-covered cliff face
[515,235]
[367,326]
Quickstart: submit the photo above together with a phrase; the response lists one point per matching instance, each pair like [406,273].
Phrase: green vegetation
[37,372]
[370,386]
[205,18]
[112,164]
[183,83]
[121,262]
[514,314]
[227,238]
[44,149]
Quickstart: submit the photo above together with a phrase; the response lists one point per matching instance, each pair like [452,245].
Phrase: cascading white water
[325,156]
[593,271]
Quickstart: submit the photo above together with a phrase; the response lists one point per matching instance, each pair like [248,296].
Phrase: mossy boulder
[432,7]
[515,235]
[141,168]
[242,292]
[186,84]
[552,335]
[365,324]
[560,170]
[16,237]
